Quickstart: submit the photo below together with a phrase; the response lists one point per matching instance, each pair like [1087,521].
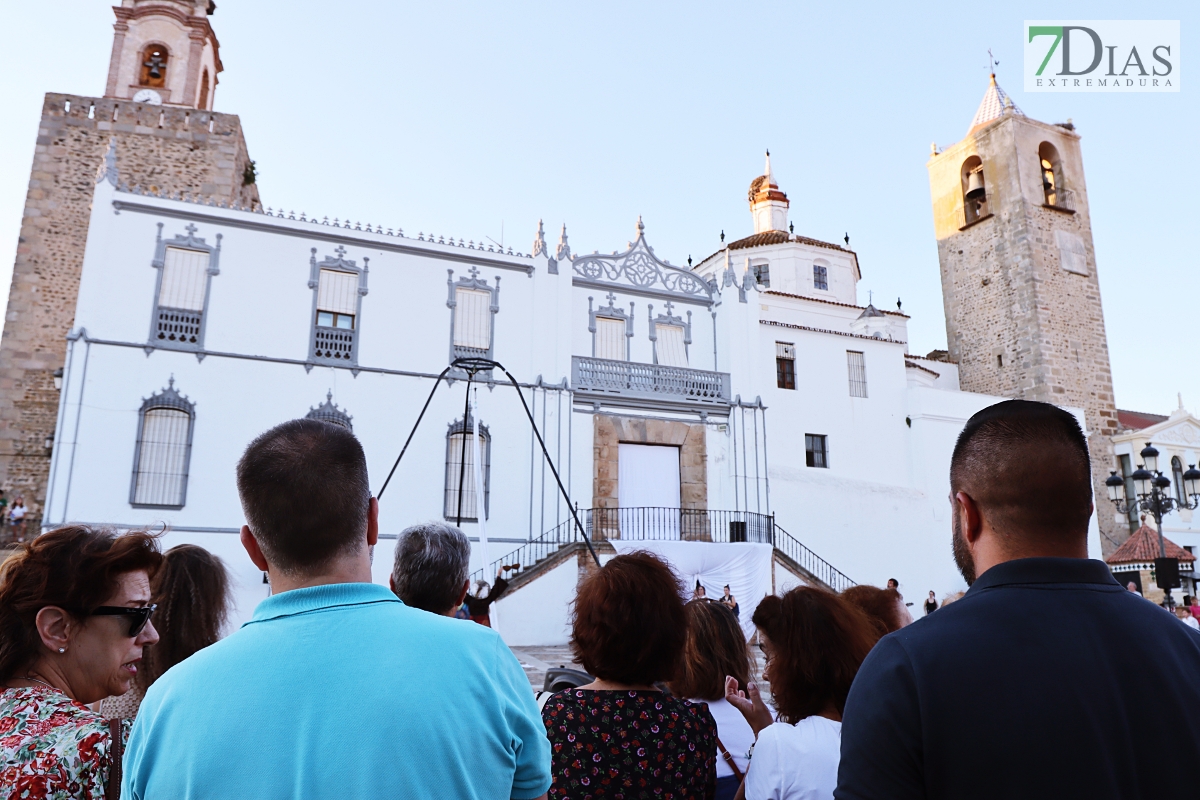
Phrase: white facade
[252,357]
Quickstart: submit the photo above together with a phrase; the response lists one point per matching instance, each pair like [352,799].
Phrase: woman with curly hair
[75,609]
[814,642]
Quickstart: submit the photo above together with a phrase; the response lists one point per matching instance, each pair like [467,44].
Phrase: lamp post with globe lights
[1150,488]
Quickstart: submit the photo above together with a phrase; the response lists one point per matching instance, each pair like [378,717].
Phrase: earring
[62,649]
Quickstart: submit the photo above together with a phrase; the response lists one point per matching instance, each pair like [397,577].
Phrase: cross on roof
[670,306]
[341,252]
[474,272]
[611,298]
[191,229]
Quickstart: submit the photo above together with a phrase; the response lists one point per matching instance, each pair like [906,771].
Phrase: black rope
[472,366]
[462,460]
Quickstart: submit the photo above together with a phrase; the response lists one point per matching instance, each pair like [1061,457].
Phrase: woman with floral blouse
[74,619]
[621,736]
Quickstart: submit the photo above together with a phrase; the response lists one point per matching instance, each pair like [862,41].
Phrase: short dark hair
[629,625]
[1026,466]
[75,568]
[304,491]
[881,605]
[716,647]
[431,567]
[819,641]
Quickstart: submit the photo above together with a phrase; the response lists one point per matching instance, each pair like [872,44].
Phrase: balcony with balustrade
[630,383]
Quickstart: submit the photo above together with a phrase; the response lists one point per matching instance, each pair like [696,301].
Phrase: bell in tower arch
[975,190]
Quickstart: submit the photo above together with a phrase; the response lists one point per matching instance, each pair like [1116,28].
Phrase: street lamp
[1151,489]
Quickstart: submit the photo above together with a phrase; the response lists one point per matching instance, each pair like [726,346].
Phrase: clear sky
[476,119]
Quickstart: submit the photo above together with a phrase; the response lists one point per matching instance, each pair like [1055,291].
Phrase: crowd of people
[117,681]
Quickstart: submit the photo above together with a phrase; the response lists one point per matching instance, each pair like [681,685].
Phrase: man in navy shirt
[1047,679]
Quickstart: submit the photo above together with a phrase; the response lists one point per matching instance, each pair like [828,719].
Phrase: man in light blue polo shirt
[335,689]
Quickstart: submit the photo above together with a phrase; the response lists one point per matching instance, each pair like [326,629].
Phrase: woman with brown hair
[716,648]
[885,607]
[814,642]
[191,592]
[75,611]
[620,735]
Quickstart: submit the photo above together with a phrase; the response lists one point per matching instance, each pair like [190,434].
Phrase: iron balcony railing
[1059,197]
[688,524]
[651,381]
[641,524]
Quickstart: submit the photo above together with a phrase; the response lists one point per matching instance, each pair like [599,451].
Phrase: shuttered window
[671,350]
[472,319]
[184,278]
[162,459]
[610,338]
[856,365]
[820,277]
[338,292]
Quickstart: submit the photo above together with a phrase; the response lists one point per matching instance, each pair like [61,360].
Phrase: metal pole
[413,432]
[462,459]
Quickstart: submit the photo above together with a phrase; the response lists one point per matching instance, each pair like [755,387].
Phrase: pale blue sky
[472,118]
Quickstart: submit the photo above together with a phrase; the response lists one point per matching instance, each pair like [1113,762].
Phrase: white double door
[648,491]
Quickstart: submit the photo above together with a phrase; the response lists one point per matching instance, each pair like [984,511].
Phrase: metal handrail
[649,380]
[688,524]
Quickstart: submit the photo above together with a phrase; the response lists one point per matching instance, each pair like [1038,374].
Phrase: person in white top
[716,647]
[814,642]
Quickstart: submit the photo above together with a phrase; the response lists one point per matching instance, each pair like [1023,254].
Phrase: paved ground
[536,660]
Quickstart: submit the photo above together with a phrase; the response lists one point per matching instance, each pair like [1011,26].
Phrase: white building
[752,398]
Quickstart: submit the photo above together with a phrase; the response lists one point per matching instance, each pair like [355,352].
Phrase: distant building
[1133,562]
[1177,439]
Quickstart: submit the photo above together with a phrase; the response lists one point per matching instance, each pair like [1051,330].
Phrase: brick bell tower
[156,115]
[1019,282]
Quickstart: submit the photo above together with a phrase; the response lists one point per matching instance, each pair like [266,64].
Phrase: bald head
[1026,466]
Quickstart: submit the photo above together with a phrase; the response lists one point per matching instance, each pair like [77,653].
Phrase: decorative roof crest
[639,268]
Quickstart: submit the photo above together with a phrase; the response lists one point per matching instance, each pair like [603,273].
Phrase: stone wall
[1017,323]
[157,147]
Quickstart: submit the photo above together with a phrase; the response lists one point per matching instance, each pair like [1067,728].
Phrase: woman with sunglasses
[75,611]
[190,594]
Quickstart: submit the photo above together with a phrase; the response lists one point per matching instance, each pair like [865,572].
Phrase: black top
[1047,679]
[477,607]
[630,744]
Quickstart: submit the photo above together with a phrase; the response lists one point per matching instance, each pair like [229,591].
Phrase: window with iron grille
[186,265]
[785,365]
[163,450]
[820,277]
[339,286]
[816,450]
[856,364]
[473,305]
[460,445]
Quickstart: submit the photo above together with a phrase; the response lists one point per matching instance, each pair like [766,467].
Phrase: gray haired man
[430,572]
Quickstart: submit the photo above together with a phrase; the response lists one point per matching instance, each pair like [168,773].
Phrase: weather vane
[992,62]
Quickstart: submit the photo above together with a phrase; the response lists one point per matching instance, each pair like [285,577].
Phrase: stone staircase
[564,541]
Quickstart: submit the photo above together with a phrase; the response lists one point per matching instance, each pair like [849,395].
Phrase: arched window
[163,451]
[154,66]
[1177,478]
[1051,170]
[975,203]
[329,412]
[460,464]
[203,90]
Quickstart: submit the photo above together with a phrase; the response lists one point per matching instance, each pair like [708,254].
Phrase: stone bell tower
[164,52]
[1019,283]
[156,122]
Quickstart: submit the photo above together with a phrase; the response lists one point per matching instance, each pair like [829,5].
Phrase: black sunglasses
[139,616]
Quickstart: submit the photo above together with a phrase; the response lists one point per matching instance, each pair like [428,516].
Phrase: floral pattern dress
[630,744]
[52,748]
